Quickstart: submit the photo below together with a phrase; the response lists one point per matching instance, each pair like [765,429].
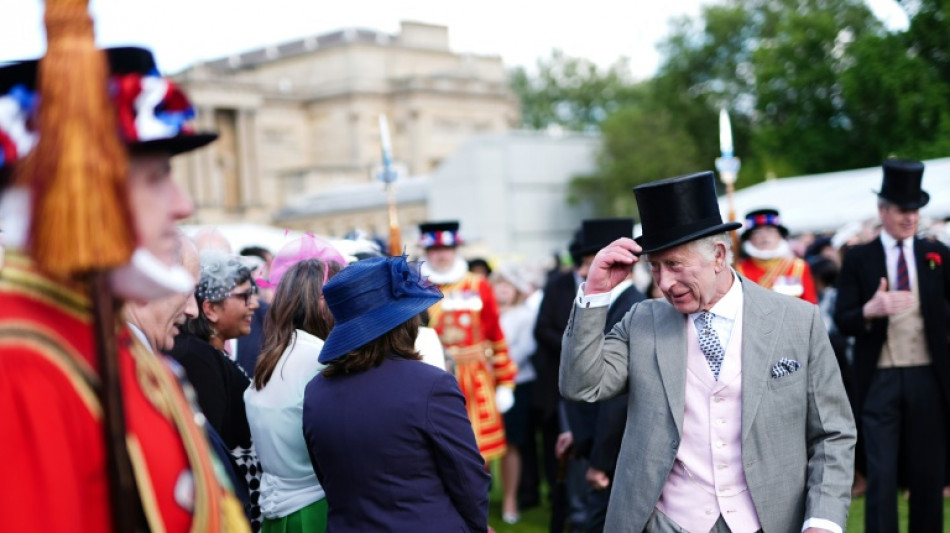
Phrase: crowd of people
[666,383]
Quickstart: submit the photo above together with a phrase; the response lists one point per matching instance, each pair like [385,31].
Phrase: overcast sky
[182,32]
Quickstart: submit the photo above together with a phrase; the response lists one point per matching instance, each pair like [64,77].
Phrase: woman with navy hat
[388,436]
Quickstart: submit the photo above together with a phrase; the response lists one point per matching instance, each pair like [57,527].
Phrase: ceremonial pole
[728,166]
[388,176]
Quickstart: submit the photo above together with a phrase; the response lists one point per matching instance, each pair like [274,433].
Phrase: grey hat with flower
[220,272]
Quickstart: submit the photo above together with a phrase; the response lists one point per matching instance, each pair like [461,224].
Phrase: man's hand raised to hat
[612,265]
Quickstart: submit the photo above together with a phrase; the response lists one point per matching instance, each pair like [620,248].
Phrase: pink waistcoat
[707,479]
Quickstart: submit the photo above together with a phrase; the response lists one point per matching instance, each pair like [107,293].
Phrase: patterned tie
[903,278]
[709,342]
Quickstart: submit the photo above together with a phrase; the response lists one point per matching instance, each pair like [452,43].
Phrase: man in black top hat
[892,297]
[737,419]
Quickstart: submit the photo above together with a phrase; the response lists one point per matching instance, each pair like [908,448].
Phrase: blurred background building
[299,121]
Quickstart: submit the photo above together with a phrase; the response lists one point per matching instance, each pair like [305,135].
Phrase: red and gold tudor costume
[51,418]
[792,273]
[467,321]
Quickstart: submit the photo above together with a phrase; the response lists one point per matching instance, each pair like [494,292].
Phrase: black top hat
[901,185]
[763,217]
[444,233]
[678,210]
[574,247]
[597,233]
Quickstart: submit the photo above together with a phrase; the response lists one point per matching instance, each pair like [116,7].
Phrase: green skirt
[310,519]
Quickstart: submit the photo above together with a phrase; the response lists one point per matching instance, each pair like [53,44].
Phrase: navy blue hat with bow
[372,297]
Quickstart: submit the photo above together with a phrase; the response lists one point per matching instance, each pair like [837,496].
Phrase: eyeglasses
[246,295]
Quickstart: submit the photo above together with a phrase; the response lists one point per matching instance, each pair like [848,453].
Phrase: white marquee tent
[826,202]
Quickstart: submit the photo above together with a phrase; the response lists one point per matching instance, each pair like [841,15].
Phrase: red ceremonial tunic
[467,321]
[52,438]
[790,276]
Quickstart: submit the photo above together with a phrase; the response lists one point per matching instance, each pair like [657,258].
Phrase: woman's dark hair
[200,326]
[297,305]
[399,341]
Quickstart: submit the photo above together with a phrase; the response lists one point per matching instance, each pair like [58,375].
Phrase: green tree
[571,92]
[895,99]
[640,145]
[775,64]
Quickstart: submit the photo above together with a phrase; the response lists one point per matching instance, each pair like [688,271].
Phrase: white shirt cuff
[823,524]
[594,300]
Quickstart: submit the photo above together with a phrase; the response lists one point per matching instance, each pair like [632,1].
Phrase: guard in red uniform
[467,321]
[52,413]
[768,259]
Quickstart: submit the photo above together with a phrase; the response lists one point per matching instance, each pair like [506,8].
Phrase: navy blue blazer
[394,450]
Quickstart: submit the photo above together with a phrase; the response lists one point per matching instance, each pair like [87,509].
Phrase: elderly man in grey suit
[737,416]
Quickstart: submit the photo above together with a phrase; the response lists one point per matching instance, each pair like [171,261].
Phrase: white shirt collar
[890,242]
[729,305]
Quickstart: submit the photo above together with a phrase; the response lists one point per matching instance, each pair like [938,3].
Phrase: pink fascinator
[297,250]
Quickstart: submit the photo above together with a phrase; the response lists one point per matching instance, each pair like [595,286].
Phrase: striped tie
[903,278]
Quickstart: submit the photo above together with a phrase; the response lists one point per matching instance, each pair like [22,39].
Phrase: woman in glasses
[227,298]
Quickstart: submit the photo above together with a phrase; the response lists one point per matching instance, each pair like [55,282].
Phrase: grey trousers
[660,523]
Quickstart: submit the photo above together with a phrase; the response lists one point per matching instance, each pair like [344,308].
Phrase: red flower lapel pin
[934,259]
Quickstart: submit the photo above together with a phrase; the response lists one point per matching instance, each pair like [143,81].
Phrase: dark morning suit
[553,315]
[611,419]
[860,276]
[249,346]
[394,449]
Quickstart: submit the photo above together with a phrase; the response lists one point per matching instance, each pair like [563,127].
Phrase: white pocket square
[785,367]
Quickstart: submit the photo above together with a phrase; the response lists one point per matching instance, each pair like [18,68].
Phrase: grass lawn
[536,520]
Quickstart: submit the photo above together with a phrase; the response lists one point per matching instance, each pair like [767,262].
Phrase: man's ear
[722,256]
[210,310]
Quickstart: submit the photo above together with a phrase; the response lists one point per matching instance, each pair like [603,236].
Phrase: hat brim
[919,203]
[174,145]
[360,331]
[783,231]
[650,247]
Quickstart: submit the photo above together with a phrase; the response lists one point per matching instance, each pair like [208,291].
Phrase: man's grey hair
[706,247]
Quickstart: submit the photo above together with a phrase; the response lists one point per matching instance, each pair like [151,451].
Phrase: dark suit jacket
[249,346]
[860,277]
[612,413]
[394,449]
[219,385]
[598,427]
[553,315]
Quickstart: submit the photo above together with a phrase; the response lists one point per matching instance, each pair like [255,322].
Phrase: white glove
[504,399]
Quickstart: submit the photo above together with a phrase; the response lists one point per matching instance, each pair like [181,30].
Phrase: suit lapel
[758,342]
[877,265]
[924,286]
[671,358]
